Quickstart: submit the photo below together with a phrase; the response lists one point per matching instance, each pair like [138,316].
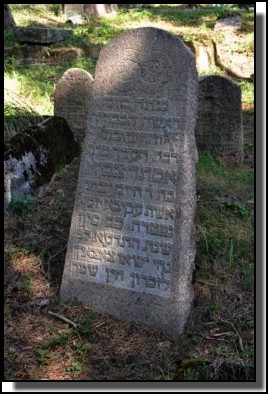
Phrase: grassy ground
[218,343]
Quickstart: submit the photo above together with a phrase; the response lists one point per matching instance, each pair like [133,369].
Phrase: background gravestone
[73,10]
[72,100]
[131,247]
[219,127]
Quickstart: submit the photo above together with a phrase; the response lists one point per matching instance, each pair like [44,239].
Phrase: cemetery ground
[49,340]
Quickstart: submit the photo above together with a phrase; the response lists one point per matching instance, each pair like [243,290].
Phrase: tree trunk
[8,18]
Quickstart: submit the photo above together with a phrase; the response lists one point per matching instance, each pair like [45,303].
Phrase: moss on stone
[52,137]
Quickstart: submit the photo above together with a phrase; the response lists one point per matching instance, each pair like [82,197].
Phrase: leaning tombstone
[72,99]
[131,246]
[219,127]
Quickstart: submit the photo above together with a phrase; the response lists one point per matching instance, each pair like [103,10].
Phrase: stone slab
[219,126]
[72,99]
[41,35]
[131,246]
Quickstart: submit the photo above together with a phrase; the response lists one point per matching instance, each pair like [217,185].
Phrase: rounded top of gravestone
[213,78]
[147,34]
[219,86]
[217,81]
[72,99]
[147,60]
[72,75]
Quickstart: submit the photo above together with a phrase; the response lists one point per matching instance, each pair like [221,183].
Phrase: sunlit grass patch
[37,15]
[247,89]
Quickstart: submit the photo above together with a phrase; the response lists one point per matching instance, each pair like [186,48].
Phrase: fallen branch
[63,318]
[206,283]
[100,324]
[239,336]
[240,341]
[220,334]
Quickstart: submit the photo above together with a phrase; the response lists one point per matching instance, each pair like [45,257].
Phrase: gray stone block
[131,246]
[219,127]
[41,35]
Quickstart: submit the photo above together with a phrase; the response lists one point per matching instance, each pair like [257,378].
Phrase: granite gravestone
[219,127]
[131,246]
[72,100]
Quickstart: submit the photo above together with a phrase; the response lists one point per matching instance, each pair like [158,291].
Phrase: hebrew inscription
[126,217]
